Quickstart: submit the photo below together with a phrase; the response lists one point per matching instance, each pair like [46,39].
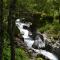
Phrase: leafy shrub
[21,54]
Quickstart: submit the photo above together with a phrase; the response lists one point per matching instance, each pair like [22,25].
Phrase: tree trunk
[1,28]
[59,13]
[11,25]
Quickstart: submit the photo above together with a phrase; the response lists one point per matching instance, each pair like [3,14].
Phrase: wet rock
[52,45]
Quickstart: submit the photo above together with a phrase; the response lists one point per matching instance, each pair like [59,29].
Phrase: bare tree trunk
[59,15]
[11,25]
[1,28]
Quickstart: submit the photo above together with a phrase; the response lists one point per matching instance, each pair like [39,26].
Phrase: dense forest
[44,14]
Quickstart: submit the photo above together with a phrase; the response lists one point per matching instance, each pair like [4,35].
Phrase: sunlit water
[29,41]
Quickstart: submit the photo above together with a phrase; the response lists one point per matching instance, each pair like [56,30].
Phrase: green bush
[45,28]
[6,53]
[21,54]
[6,48]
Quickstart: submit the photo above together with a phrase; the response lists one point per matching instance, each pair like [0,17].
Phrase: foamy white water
[29,43]
[28,40]
[45,53]
[24,33]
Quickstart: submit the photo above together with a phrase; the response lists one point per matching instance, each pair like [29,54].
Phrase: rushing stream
[23,27]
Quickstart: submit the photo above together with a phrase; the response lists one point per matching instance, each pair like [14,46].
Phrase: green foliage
[56,27]
[21,54]
[45,28]
[49,7]
[51,29]
[6,54]
[39,59]
[6,48]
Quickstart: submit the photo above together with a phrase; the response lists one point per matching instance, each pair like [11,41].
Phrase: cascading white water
[28,40]
[24,33]
[45,53]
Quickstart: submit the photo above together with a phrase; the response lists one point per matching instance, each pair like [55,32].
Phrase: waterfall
[45,53]
[29,41]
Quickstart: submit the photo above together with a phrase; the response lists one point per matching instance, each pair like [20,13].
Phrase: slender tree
[11,25]
[1,28]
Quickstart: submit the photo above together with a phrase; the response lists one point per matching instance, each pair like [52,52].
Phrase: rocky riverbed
[51,45]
